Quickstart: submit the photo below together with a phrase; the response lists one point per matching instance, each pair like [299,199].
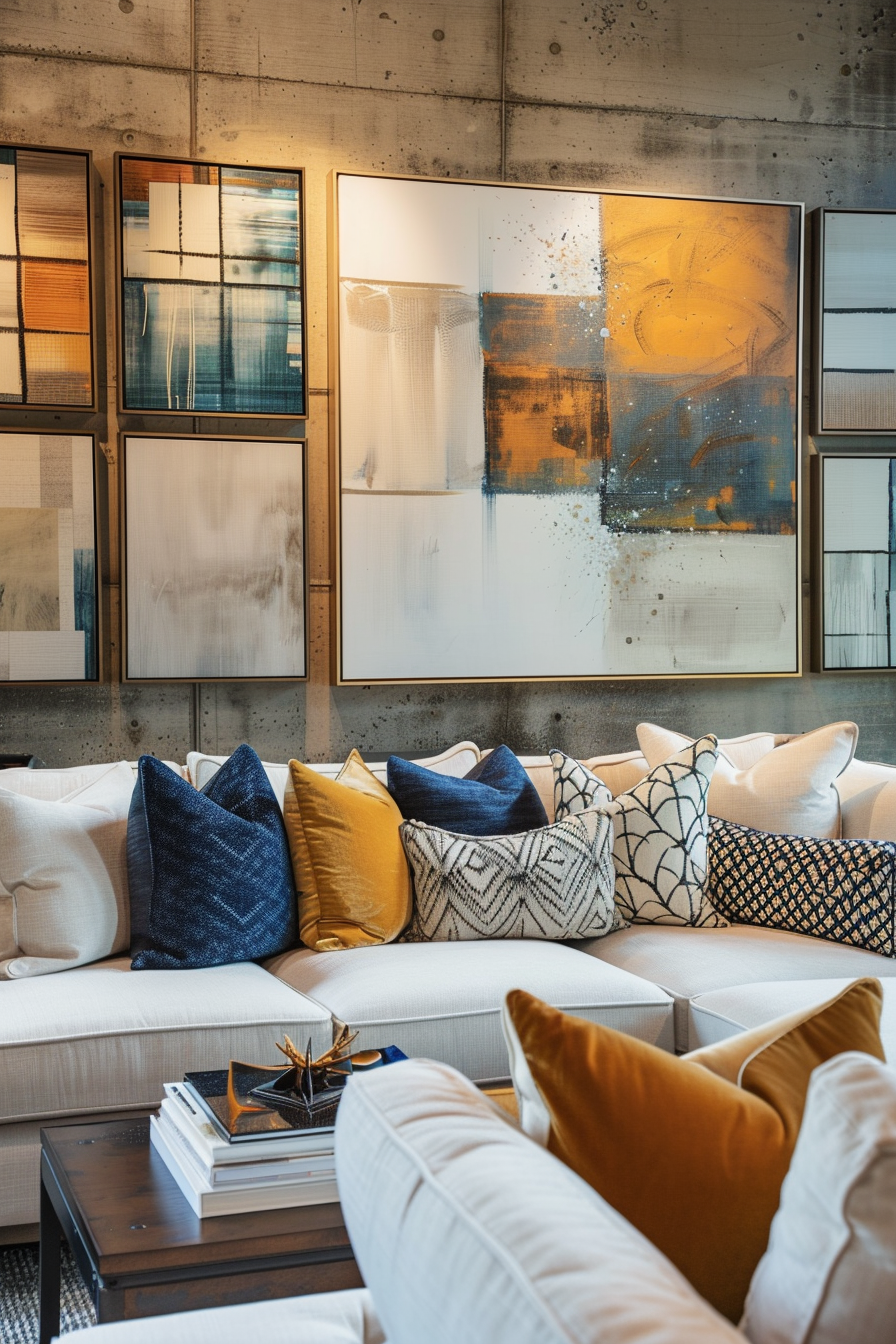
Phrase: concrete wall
[788,99]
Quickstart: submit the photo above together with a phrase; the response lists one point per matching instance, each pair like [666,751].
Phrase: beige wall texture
[777,99]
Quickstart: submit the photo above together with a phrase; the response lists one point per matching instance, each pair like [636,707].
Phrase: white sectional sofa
[100,1040]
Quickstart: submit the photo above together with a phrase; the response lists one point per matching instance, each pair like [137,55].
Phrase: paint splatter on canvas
[214,548]
[48,574]
[212,288]
[568,433]
[858,530]
[45,317]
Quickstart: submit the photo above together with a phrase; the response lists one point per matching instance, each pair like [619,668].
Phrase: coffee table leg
[50,1269]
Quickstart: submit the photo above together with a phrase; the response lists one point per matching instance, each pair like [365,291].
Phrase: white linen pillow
[63,869]
[455,761]
[789,790]
[553,883]
[829,1274]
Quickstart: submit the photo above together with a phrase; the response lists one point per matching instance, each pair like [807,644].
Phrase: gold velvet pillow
[349,866]
[693,1156]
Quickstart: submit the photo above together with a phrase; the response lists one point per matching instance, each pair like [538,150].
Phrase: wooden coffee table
[143,1252]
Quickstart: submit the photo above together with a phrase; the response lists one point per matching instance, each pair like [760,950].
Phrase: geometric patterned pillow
[844,890]
[660,842]
[575,787]
[554,882]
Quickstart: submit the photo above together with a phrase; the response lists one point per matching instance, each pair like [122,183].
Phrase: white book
[209,1203]
[219,1151]
[308,1166]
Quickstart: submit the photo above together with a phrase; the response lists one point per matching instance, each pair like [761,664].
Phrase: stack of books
[221,1172]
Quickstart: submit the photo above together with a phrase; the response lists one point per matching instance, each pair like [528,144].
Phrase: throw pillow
[843,890]
[496,797]
[789,789]
[829,1274]
[63,870]
[555,882]
[692,1160]
[351,874]
[575,786]
[209,870]
[659,845]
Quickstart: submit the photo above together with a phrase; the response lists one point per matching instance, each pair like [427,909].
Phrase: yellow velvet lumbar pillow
[693,1156]
[350,869]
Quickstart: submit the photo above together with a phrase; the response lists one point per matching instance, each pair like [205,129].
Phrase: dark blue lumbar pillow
[497,797]
[209,871]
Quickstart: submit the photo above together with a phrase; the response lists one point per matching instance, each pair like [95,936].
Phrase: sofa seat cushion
[721,1013]
[104,1037]
[444,1000]
[686,962]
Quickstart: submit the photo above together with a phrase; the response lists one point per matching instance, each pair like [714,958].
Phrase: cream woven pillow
[63,870]
[789,790]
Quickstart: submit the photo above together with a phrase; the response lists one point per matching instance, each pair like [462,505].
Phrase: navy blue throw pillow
[496,797]
[209,871]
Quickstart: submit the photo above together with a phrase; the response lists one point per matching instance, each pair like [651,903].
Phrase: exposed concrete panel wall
[790,101]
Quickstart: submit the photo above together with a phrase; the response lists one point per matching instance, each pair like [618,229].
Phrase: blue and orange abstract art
[568,433]
[211,300]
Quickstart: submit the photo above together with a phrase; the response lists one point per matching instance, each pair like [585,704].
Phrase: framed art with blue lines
[855,356]
[49,608]
[211,303]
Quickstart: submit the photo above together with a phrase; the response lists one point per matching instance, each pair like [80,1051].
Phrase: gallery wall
[777,101]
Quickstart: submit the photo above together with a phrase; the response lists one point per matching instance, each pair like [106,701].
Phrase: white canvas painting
[542,474]
[215,571]
[859,562]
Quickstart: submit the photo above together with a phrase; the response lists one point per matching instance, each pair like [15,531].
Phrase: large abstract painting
[214,558]
[46,345]
[48,569]
[858,562]
[211,304]
[568,433]
[856,357]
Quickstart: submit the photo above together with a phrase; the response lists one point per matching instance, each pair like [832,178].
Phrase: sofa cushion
[867,792]
[63,871]
[444,1000]
[346,1317]
[553,883]
[456,761]
[496,797]
[351,874]
[789,789]
[722,1013]
[103,1037]
[708,1137]
[688,962]
[209,870]
[465,1230]
[844,890]
[829,1274]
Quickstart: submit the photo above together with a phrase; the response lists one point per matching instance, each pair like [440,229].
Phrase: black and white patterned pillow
[575,786]
[844,890]
[659,847]
[660,828]
[555,882]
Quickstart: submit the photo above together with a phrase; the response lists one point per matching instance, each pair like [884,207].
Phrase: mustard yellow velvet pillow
[350,870]
[693,1156]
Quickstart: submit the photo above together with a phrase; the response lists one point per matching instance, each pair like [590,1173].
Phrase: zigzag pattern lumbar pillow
[844,890]
[659,849]
[575,786]
[552,883]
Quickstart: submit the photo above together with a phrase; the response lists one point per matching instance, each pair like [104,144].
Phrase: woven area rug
[18,1295]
